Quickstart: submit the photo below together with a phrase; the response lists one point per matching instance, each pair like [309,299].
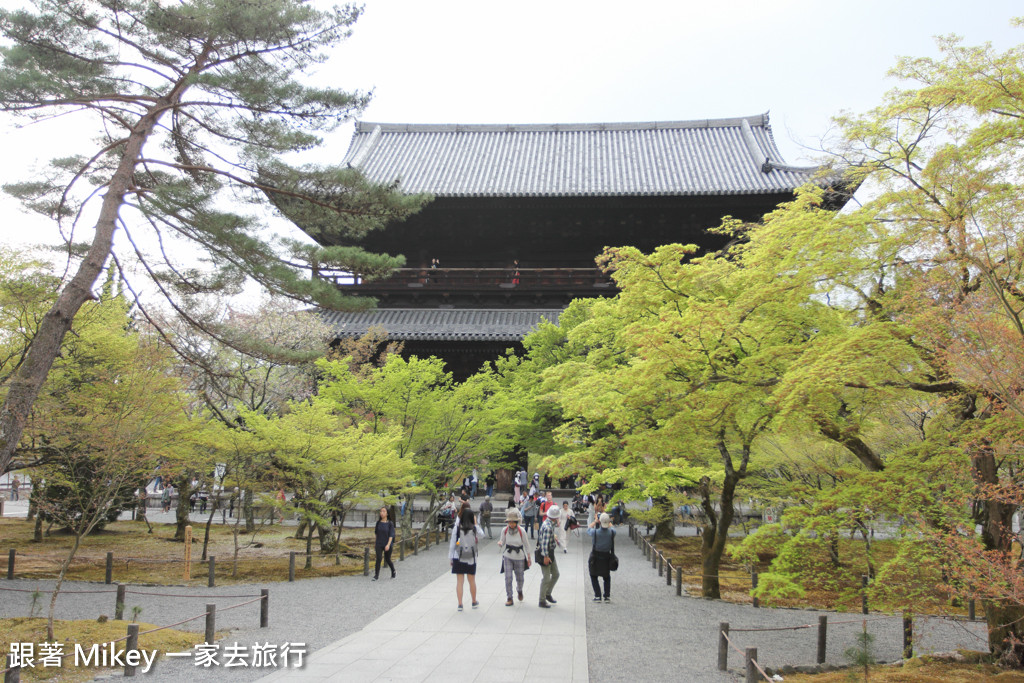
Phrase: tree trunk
[716,533]
[1005,618]
[666,527]
[250,514]
[309,547]
[24,386]
[209,521]
[56,588]
[184,488]
[326,537]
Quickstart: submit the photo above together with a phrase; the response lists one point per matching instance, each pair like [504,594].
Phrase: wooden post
[668,573]
[723,646]
[753,585]
[654,556]
[291,565]
[211,623]
[366,561]
[131,644]
[679,580]
[753,675]
[187,573]
[401,551]
[366,521]
[264,607]
[416,544]
[13,674]
[109,577]
[970,609]
[864,593]
[119,603]
[661,563]
[210,580]
[822,636]
[10,564]
[908,635]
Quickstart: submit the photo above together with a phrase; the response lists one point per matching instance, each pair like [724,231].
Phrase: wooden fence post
[661,563]
[668,573]
[119,603]
[416,544]
[401,550]
[264,607]
[753,675]
[970,609]
[864,593]
[291,565]
[211,623]
[654,556]
[723,646]
[13,674]
[908,635]
[132,644]
[366,561]
[211,580]
[109,577]
[679,581]
[10,564]
[753,586]
[822,636]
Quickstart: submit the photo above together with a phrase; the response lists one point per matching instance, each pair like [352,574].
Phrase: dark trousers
[599,565]
[387,560]
[528,522]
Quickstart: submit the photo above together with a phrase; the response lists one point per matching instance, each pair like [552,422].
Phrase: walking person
[15,486]
[474,483]
[486,508]
[515,555]
[601,555]
[562,530]
[546,556]
[489,481]
[518,487]
[385,539]
[529,513]
[462,553]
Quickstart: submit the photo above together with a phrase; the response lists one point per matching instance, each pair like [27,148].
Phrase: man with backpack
[546,556]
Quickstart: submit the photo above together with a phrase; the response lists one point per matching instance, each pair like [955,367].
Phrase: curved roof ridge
[369,126]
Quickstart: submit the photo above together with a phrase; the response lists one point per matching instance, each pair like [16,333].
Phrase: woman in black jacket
[385,530]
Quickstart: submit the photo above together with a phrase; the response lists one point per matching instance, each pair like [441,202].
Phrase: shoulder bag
[613,561]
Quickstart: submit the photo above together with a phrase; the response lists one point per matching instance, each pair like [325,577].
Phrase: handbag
[613,561]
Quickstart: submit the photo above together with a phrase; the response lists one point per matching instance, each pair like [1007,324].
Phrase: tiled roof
[443,324]
[706,157]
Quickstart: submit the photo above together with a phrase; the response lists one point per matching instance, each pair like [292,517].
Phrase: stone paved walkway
[426,639]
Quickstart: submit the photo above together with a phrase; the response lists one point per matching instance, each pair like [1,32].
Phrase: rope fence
[750,656]
[665,567]
[12,672]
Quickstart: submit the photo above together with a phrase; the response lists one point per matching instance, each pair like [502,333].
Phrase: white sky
[570,61]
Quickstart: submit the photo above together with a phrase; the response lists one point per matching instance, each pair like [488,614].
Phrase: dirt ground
[155,558]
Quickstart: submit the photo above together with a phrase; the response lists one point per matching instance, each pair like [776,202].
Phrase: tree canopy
[186,110]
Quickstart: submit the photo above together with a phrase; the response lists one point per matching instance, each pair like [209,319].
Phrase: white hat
[606,521]
[554,512]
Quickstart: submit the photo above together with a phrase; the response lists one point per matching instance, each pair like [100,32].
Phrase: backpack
[466,545]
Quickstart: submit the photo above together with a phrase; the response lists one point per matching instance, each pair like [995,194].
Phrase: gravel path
[312,611]
[648,633]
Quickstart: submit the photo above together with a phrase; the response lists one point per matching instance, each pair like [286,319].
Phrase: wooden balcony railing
[480,279]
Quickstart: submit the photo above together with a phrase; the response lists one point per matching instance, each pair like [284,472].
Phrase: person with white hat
[515,558]
[599,562]
[546,555]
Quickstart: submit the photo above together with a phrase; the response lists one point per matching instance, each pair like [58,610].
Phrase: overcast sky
[561,61]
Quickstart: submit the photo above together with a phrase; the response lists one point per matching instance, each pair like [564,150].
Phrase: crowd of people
[536,528]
